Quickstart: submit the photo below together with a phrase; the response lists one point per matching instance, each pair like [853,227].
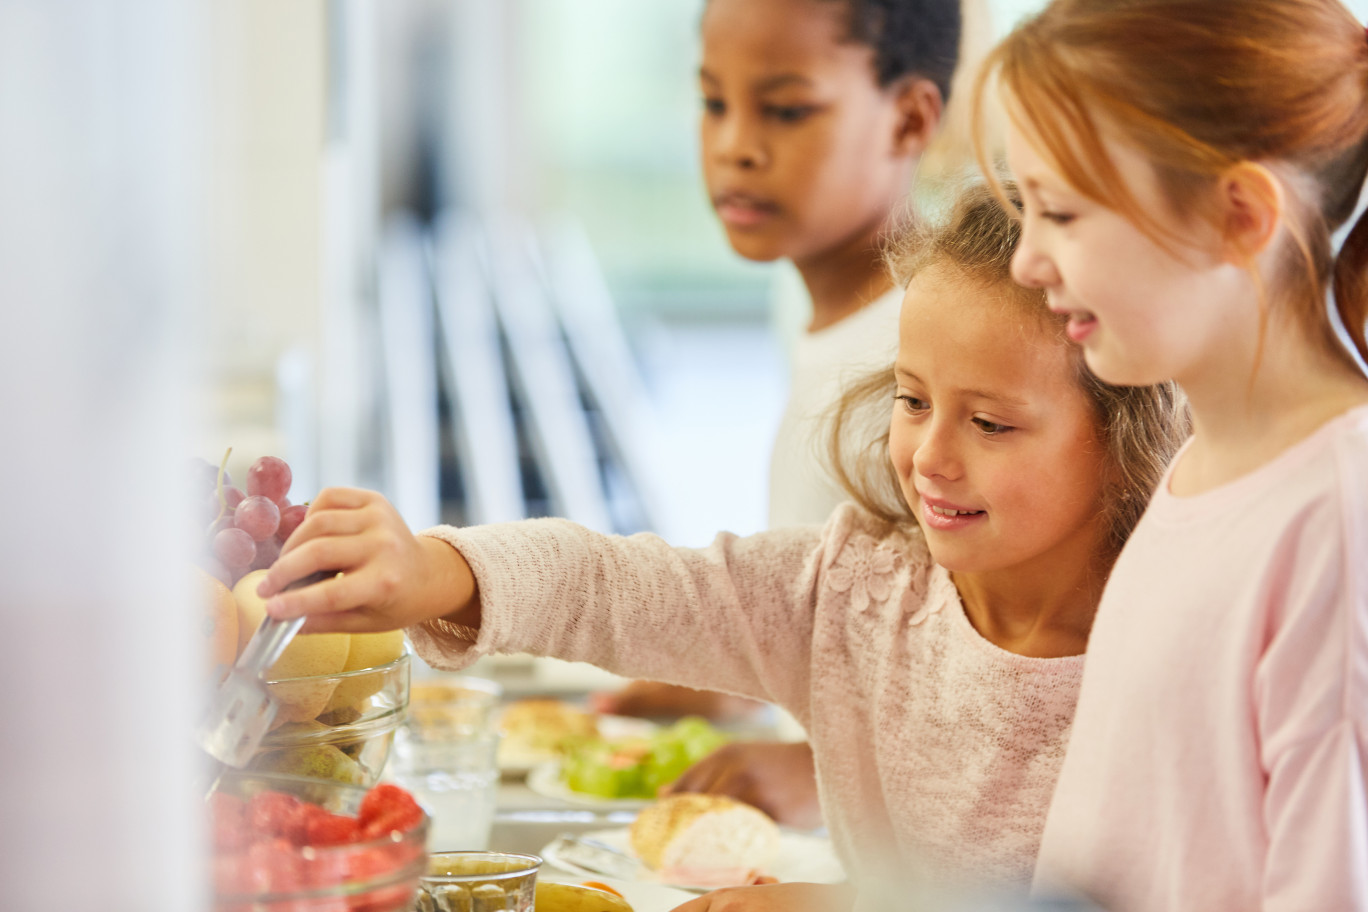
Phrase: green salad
[637,767]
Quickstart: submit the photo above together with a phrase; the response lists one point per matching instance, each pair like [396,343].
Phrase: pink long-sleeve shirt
[1219,760]
[935,750]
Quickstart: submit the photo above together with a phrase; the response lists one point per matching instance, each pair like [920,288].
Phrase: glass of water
[455,777]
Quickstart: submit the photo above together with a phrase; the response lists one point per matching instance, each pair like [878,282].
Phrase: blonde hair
[1203,88]
[1140,427]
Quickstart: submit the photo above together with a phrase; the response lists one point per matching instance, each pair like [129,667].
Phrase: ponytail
[1351,285]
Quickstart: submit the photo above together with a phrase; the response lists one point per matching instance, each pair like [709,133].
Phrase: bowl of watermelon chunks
[293,844]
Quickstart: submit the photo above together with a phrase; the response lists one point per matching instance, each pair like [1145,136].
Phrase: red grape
[258,516]
[232,497]
[270,477]
[266,553]
[204,474]
[290,518]
[234,548]
[212,508]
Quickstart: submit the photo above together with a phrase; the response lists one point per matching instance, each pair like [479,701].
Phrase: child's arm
[1311,695]
[735,616]
[388,577]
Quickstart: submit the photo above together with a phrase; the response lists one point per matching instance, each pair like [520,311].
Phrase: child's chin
[956,560]
[755,249]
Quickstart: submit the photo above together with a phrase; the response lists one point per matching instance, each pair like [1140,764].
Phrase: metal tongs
[592,856]
[243,709]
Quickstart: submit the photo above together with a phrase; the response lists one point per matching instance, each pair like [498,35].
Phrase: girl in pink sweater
[1184,166]
[929,638]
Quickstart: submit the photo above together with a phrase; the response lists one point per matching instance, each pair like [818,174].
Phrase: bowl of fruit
[349,738]
[339,696]
[289,842]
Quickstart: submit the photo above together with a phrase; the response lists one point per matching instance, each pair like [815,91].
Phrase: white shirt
[823,364]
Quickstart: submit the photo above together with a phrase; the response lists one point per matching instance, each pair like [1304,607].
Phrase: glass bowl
[336,727]
[258,874]
[460,881]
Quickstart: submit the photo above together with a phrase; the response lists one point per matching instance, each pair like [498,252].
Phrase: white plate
[545,779]
[803,857]
[643,897]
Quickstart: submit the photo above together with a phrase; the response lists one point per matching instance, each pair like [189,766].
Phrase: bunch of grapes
[246,528]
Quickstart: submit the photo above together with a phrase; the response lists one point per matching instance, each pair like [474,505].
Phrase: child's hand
[656,700]
[777,777]
[387,578]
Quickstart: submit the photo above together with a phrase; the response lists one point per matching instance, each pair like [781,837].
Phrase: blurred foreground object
[99,108]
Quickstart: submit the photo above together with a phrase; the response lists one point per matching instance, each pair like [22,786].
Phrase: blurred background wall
[545,152]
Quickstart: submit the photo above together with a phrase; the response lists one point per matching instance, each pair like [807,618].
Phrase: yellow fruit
[368,650]
[316,761]
[563,897]
[307,655]
[220,620]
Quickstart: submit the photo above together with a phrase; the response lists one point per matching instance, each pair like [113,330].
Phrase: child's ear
[1254,205]
[920,107]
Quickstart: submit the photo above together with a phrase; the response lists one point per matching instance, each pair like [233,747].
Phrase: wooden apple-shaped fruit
[306,656]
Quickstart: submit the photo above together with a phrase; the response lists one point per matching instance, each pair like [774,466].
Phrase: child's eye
[992,428]
[714,106]
[788,113]
[912,403]
[1058,218]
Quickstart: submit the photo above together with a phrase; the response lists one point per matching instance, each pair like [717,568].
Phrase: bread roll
[696,834]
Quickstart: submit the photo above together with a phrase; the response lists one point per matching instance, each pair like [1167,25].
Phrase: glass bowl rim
[404,658]
[534,865]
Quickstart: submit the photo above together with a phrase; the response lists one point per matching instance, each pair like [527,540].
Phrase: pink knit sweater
[936,750]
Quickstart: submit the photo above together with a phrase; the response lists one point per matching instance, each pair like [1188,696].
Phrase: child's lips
[741,210]
[947,517]
[1081,322]
[1081,325]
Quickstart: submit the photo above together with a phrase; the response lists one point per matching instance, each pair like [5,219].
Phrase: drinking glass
[478,882]
[455,777]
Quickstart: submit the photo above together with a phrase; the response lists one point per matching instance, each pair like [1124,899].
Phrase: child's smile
[944,516]
[995,444]
[1141,313]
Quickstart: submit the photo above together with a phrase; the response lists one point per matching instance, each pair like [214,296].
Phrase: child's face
[1141,313]
[993,440]
[803,152]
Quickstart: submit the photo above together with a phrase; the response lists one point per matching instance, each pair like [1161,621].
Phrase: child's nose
[937,455]
[740,144]
[1031,267]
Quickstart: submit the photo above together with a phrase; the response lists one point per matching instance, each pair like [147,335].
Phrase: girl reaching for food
[929,637]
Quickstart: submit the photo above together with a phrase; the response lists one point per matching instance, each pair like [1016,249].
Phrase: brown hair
[1141,427]
[1202,88]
